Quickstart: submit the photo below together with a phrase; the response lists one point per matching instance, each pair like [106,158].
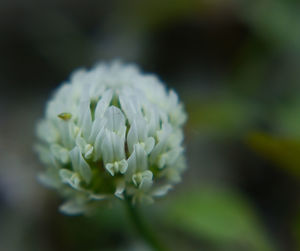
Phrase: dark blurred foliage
[235,65]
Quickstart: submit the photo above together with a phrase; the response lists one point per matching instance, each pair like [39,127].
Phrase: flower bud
[111,132]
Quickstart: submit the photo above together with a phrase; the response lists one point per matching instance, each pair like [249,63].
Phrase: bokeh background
[235,65]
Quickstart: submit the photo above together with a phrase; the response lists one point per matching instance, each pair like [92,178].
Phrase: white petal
[149,144]
[88,151]
[74,156]
[120,190]
[132,137]
[62,154]
[173,175]
[170,157]
[85,118]
[46,156]
[73,207]
[66,133]
[152,118]
[47,132]
[98,124]
[107,147]
[112,148]
[162,136]
[80,165]
[117,167]
[138,159]
[115,120]
[98,143]
[123,165]
[143,179]
[81,143]
[103,103]
[50,178]
[85,149]
[161,191]
[85,170]
[147,180]
[175,138]
[110,168]
[163,158]
[130,106]
[137,133]
[142,128]
[157,150]
[165,132]
[98,196]
[95,90]
[71,178]
[118,146]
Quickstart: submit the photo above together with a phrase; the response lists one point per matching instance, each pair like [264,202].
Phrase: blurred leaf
[224,114]
[250,68]
[283,152]
[221,216]
[275,21]
[156,13]
[108,227]
[296,230]
[286,121]
[112,217]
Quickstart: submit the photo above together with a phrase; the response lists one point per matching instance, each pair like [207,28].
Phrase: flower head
[111,132]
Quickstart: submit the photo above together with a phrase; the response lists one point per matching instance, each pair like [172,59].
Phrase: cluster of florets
[111,132]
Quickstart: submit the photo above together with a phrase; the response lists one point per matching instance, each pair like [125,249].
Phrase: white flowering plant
[111,132]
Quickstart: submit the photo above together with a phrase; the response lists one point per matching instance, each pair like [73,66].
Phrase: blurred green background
[235,65]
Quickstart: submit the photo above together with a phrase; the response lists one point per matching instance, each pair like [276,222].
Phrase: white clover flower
[111,132]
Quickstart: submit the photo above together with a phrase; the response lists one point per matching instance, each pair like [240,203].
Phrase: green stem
[142,227]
